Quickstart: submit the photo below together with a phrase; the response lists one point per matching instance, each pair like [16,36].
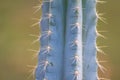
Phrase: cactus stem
[49,41]
[72,33]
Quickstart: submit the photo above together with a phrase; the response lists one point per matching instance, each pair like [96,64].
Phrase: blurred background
[17,61]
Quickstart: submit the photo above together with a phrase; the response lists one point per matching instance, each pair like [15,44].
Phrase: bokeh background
[16,59]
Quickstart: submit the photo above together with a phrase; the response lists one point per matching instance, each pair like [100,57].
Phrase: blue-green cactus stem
[73,48]
[50,58]
[89,39]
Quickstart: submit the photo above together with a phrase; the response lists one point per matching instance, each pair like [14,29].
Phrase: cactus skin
[74,58]
[50,56]
[89,39]
[73,47]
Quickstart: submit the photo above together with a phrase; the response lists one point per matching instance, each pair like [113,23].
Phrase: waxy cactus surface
[68,40]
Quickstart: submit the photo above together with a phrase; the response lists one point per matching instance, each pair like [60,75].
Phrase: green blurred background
[15,42]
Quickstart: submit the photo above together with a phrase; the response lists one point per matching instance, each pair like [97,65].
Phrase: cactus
[73,45]
[52,41]
[68,41]
[89,40]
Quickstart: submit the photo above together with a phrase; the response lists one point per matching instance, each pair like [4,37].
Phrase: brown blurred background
[15,42]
